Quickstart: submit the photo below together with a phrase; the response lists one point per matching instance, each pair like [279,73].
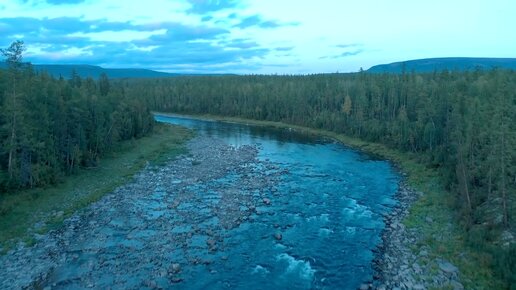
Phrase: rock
[176,280]
[418,287]
[174,268]
[429,220]
[266,201]
[278,236]
[151,284]
[447,267]
[364,287]
[456,285]
[423,253]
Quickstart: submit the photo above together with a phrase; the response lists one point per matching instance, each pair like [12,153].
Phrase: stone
[429,220]
[408,285]
[175,268]
[266,201]
[456,285]
[176,280]
[364,287]
[448,267]
[278,236]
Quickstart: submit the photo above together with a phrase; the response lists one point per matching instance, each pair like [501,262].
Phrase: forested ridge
[461,124]
[51,127]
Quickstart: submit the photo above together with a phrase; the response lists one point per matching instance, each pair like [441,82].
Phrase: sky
[256,36]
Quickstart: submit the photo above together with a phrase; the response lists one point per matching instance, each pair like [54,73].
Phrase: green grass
[48,207]
[444,235]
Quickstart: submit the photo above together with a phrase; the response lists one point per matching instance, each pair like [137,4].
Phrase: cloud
[207,6]
[349,45]
[206,18]
[182,48]
[21,25]
[257,20]
[242,43]
[344,54]
[285,48]
[172,46]
[177,32]
[350,53]
[61,2]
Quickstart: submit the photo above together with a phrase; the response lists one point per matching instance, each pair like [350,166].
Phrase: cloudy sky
[256,36]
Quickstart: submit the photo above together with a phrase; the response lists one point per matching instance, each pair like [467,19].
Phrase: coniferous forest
[461,124]
[51,127]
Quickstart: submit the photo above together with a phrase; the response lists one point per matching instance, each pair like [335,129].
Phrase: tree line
[462,124]
[49,128]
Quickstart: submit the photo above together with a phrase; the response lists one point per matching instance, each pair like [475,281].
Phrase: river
[328,209]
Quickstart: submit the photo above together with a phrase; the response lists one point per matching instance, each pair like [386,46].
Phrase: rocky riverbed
[142,234]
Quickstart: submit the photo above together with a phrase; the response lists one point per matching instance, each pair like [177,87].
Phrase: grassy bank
[26,213]
[443,235]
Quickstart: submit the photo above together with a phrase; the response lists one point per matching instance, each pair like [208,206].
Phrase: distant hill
[93,71]
[449,63]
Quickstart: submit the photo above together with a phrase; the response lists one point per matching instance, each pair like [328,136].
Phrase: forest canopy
[51,127]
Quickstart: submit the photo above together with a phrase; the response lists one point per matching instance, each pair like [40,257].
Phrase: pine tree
[13,57]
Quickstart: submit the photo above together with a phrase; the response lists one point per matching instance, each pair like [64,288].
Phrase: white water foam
[355,209]
[260,270]
[300,268]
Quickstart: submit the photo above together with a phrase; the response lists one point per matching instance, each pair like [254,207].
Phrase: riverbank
[428,224]
[28,214]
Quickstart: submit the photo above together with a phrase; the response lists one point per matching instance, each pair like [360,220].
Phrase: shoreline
[403,260]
